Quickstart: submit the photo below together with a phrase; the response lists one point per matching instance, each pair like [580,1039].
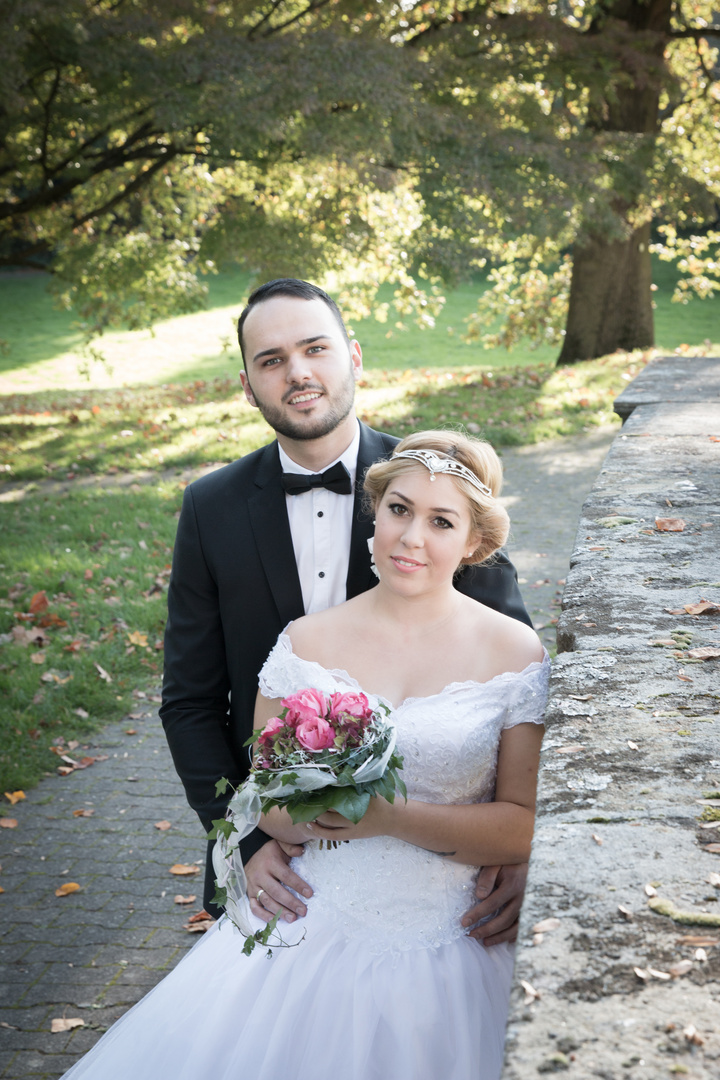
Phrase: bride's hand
[333,826]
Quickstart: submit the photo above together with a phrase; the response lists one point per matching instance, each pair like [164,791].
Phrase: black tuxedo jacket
[233,589]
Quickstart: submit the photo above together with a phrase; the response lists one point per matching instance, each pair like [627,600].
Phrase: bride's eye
[443,523]
[397,508]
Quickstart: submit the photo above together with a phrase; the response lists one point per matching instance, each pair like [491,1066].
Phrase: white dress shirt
[320,526]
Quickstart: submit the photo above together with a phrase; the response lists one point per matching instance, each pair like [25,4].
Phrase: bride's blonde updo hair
[487,516]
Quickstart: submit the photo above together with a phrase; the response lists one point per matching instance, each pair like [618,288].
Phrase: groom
[276,534]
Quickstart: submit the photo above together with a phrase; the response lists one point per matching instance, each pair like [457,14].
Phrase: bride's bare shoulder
[513,643]
[311,633]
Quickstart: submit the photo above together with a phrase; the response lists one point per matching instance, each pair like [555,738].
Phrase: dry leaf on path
[598,840]
[184,899]
[669,524]
[713,878]
[714,849]
[698,939]
[681,968]
[14,796]
[626,914]
[163,825]
[530,992]
[704,607]
[650,890]
[68,888]
[546,925]
[693,1036]
[8,823]
[571,748]
[199,923]
[182,869]
[61,1023]
[83,813]
[705,652]
[663,975]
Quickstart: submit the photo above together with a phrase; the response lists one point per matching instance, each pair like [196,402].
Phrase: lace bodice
[395,894]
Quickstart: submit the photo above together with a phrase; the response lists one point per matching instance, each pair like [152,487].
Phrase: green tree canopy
[142,144]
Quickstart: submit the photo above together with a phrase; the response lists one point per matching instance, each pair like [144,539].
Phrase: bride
[383,980]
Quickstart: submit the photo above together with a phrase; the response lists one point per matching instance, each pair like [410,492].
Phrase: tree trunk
[610,298]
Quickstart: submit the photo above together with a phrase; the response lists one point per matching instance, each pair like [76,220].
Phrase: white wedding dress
[385,983]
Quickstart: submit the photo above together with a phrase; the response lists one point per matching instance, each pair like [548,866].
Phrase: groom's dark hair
[294,287]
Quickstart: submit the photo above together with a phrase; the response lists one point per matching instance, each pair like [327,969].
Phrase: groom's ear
[248,389]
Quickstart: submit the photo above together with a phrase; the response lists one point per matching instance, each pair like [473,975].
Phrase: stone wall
[623,979]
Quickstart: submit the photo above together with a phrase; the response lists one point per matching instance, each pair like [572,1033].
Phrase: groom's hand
[268,873]
[499,889]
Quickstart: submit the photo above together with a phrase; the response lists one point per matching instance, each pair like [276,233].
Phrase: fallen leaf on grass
[83,813]
[669,524]
[136,638]
[51,619]
[81,713]
[8,823]
[39,603]
[60,1023]
[14,796]
[103,673]
[162,825]
[703,607]
[182,869]
[68,888]
[705,652]
[184,899]
[37,657]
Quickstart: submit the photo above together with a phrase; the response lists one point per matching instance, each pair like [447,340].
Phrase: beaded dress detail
[384,982]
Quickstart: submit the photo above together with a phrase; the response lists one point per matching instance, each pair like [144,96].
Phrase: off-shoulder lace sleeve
[529,696]
[285,673]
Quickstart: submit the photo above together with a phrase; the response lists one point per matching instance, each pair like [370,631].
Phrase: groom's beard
[336,408]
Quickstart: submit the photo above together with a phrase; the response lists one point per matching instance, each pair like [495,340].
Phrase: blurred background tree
[144,144]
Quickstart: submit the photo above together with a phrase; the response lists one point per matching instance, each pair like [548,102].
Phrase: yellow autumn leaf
[67,888]
[60,1023]
[14,796]
[136,638]
[181,869]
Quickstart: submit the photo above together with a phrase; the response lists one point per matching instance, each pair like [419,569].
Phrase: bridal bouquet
[322,752]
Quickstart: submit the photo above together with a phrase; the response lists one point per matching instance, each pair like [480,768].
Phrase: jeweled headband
[437,463]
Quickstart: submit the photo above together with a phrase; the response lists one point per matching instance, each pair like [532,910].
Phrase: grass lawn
[96,473]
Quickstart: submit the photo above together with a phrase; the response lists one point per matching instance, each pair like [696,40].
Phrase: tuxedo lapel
[373,445]
[271,529]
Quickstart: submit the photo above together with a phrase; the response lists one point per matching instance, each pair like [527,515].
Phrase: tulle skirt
[329,1008]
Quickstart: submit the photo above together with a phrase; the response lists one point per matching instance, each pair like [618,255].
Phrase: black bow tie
[336,479]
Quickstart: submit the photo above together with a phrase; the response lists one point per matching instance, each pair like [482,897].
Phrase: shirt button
[320,513]
[321,574]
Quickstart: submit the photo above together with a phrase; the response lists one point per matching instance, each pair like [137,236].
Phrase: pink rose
[305,705]
[271,728]
[351,704]
[315,734]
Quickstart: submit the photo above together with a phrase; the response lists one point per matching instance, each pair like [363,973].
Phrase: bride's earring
[371,544]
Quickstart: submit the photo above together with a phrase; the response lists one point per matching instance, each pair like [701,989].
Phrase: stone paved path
[91,954]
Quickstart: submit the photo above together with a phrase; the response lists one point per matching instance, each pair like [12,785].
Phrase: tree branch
[313,6]
[696,33]
[140,181]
